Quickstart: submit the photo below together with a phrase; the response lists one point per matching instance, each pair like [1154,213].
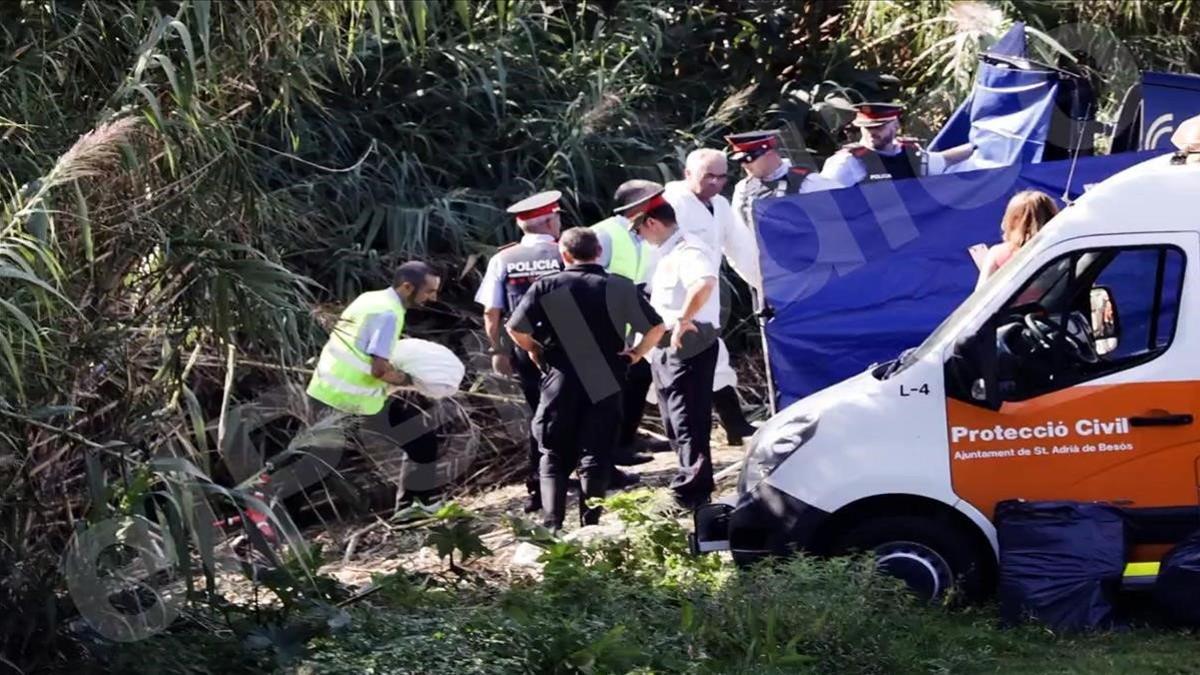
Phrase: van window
[1088,314]
[1137,279]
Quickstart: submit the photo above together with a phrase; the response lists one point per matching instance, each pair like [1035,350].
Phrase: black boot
[533,477]
[593,484]
[533,503]
[554,502]
[733,420]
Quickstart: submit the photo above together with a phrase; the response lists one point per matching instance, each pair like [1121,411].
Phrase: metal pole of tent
[763,313]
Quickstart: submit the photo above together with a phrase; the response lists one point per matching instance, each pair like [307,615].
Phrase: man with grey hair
[704,213]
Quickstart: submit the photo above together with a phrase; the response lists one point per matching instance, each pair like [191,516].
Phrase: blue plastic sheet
[857,275]
[1177,589]
[1060,563]
[1007,114]
[957,129]
[1168,100]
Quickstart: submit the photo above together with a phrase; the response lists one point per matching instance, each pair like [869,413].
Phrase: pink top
[1002,253]
[995,259]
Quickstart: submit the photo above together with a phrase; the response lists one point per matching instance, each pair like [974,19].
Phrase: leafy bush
[646,611]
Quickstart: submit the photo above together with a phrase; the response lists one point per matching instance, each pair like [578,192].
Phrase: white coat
[722,234]
[718,229]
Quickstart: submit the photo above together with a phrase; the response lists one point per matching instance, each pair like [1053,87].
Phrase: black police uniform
[637,384]
[579,317]
[520,266]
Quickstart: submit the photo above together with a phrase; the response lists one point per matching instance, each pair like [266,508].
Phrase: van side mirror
[979,391]
[1106,325]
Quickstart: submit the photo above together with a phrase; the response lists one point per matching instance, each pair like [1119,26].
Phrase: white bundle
[435,371]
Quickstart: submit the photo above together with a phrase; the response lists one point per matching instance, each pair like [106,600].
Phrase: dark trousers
[633,394]
[530,378]
[573,431]
[684,387]
[408,435]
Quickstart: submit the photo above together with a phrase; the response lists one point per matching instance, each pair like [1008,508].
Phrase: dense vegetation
[638,603]
[188,185]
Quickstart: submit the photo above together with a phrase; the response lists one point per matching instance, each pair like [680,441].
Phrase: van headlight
[770,446]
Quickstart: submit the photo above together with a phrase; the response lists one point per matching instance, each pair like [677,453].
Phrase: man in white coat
[703,213]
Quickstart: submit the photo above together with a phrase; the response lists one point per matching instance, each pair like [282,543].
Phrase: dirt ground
[357,551]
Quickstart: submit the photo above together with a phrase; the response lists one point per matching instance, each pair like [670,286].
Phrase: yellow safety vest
[343,377]
[628,257]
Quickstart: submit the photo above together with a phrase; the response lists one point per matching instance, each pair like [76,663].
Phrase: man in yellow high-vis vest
[354,372]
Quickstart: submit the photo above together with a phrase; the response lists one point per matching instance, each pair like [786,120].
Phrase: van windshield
[1002,277]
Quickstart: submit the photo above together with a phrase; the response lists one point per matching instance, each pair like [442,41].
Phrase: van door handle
[1168,420]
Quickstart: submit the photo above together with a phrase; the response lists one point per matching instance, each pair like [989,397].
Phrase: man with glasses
[624,254]
[704,213]
[682,292]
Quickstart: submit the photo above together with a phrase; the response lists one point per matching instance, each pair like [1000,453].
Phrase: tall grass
[182,185]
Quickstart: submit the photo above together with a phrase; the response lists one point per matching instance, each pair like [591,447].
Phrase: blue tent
[1008,113]
[857,275]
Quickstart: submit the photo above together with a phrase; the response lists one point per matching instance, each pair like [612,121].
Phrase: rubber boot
[533,482]
[593,484]
[554,502]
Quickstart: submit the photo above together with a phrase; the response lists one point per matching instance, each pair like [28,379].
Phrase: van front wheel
[928,555]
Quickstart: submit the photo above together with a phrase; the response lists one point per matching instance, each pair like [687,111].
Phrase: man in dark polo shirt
[573,325]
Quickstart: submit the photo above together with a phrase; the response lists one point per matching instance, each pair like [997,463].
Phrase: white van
[1073,373]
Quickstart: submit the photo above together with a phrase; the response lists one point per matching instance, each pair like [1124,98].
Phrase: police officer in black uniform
[573,325]
[883,154]
[509,275]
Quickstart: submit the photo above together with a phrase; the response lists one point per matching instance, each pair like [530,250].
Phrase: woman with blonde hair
[1026,214]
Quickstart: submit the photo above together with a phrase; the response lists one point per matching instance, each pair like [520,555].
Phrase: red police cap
[749,146]
[541,204]
[876,114]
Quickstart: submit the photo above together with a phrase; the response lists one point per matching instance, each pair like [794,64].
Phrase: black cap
[641,199]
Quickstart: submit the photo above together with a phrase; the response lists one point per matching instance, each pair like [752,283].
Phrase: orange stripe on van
[1078,444]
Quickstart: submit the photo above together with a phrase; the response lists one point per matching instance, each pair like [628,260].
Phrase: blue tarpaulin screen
[857,275]
[1168,100]
[1007,115]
